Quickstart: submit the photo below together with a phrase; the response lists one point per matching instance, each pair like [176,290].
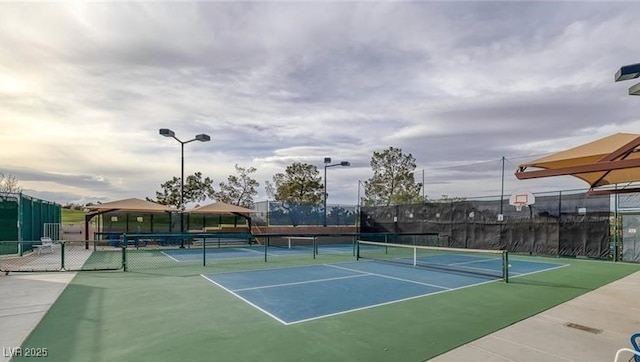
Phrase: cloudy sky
[84,89]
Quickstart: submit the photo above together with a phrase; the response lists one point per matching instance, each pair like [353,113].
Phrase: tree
[298,188]
[341,216]
[195,189]
[299,184]
[9,184]
[74,206]
[392,182]
[239,190]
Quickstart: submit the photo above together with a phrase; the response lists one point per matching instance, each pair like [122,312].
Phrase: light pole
[202,138]
[327,161]
[359,207]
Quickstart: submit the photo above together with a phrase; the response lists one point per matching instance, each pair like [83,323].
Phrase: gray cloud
[85,88]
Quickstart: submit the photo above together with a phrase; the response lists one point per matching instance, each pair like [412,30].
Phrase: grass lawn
[72,216]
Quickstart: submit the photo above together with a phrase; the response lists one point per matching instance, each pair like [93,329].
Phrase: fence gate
[630,233]
[51,230]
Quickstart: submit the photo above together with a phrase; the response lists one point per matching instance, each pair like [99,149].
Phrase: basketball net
[519,206]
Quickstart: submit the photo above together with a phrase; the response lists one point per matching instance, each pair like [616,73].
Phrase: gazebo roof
[610,160]
[132,204]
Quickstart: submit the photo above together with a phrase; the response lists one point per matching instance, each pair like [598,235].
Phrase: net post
[313,246]
[505,266]
[415,256]
[357,246]
[353,246]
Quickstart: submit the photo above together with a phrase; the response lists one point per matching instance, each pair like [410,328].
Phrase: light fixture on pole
[627,72]
[327,161]
[202,138]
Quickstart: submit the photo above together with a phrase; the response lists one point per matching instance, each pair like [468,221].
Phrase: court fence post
[204,250]
[62,255]
[505,266]
[386,241]
[266,244]
[123,244]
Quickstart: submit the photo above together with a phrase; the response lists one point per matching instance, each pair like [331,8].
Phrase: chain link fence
[564,224]
[147,252]
[126,252]
[36,256]
[275,213]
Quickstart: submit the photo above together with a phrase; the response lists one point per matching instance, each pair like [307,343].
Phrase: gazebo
[222,208]
[126,205]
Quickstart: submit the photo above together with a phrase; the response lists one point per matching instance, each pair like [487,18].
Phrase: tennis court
[300,294]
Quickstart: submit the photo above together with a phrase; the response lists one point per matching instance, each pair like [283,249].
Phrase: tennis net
[291,241]
[491,263]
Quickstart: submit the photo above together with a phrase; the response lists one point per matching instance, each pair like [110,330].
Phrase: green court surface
[172,314]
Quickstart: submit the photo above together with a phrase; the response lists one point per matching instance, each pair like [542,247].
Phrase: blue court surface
[299,294]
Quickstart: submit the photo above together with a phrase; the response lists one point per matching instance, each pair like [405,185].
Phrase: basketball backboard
[520,199]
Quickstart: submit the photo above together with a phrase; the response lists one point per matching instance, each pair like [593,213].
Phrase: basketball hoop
[521,199]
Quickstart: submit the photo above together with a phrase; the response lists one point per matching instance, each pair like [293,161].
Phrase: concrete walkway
[25,298]
[591,327]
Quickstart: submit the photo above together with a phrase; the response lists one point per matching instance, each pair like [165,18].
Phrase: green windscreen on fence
[22,218]
[8,219]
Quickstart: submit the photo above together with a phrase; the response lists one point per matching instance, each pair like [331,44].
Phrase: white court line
[170,257]
[390,277]
[245,300]
[303,282]
[251,250]
[525,259]
[518,275]
[388,303]
[198,256]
